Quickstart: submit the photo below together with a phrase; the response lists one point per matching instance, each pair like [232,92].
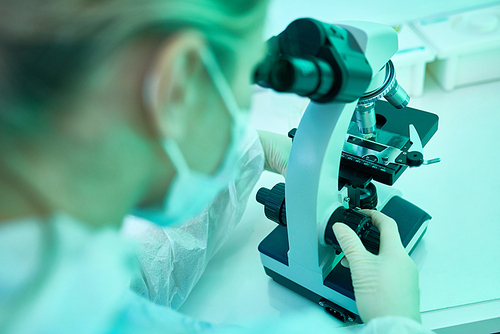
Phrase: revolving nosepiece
[390,90]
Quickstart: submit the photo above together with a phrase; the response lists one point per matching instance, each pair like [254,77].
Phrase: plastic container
[411,59]
[467,46]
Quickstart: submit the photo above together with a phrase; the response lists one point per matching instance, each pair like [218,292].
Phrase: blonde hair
[45,43]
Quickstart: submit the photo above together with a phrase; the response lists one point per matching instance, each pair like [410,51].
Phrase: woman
[116,107]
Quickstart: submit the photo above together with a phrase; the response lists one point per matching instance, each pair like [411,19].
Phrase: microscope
[347,139]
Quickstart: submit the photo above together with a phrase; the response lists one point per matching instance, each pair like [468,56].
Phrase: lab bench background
[458,258]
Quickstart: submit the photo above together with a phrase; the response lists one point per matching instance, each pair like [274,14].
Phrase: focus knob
[274,203]
[359,223]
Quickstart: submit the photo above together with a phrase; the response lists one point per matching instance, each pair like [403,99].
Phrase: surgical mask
[192,191]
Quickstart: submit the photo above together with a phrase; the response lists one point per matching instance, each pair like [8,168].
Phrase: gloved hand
[385,284]
[276,150]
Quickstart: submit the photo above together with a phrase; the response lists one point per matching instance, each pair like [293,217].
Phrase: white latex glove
[385,284]
[276,150]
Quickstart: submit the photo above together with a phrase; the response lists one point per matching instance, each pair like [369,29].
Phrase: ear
[170,86]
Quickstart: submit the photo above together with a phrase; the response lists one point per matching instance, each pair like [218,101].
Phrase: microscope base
[337,311]
[412,223]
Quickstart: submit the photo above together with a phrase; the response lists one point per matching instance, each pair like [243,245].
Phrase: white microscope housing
[297,255]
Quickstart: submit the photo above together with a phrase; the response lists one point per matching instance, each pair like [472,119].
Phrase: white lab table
[458,258]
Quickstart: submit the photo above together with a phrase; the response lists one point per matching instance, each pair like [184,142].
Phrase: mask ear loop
[151,83]
[215,72]
[239,116]
[150,89]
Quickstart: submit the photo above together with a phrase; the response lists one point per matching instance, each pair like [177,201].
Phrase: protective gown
[60,276]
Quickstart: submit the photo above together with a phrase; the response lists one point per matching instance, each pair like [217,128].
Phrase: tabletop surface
[457,258]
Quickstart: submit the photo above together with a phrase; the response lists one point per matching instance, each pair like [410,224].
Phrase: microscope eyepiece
[283,74]
[306,76]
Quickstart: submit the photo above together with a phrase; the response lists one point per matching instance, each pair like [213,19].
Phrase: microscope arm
[311,192]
